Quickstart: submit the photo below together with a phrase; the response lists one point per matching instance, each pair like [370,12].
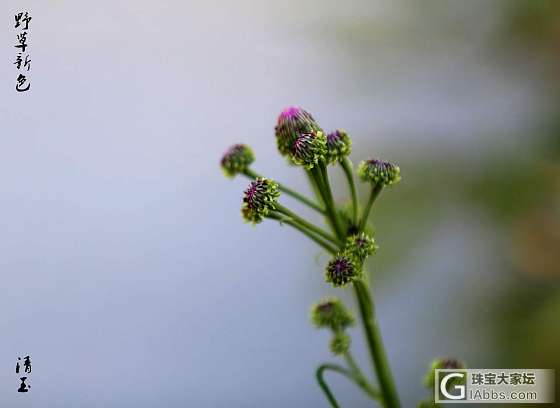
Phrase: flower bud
[309,148]
[441,363]
[237,159]
[292,122]
[340,343]
[379,171]
[331,313]
[360,246]
[341,270]
[259,198]
[339,146]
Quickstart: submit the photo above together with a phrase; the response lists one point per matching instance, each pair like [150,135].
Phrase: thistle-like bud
[309,148]
[341,270]
[360,246]
[339,146]
[340,343]
[259,199]
[379,171]
[292,122]
[237,159]
[331,313]
[441,363]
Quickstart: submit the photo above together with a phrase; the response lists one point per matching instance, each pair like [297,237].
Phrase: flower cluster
[259,199]
[309,148]
[360,246]
[332,314]
[379,172]
[292,123]
[342,269]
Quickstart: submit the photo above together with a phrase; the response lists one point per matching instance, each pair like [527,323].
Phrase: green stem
[279,217]
[307,201]
[360,378]
[375,190]
[281,209]
[347,167]
[375,343]
[334,213]
[323,384]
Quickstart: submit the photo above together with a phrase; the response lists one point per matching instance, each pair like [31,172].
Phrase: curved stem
[279,217]
[323,384]
[281,209]
[307,201]
[375,190]
[375,343]
[347,167]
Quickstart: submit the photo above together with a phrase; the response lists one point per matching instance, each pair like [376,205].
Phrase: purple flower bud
[341,270]
[237,159]
[292,122]
[379,171]
[339,146]
[259,199]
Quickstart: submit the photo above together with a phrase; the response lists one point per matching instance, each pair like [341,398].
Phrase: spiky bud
[441,363]
[309,148]
[259,199]
[341,270]
[237,159]
[339,146]
[292,122]
[331,313]
[360,246]
[379,171]
[340,343]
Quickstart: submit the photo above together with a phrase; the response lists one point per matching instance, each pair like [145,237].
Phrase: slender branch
[307,201]
[315,173]
[329,196]
[375,190]
[347,167]
[323,384]
[375,343]
[283,219]
[281,209]
[360,378]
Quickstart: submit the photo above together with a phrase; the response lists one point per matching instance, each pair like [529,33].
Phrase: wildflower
[360,246]
[379,171]
[259,199]
[341,270]
[309,148]
[339,146]
[340,343]
[331,313]
[292,122]
[237,159]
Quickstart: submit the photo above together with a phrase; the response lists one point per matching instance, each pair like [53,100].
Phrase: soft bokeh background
[128,274]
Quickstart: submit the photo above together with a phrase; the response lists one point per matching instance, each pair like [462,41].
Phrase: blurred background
[128,274]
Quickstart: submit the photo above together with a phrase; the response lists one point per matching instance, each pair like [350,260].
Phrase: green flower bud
[360,246]
[309,148]
[259,199]
[339,146]
[341,270]
[292,122]
[379,171]
[440,363]
[340,343]
[237,159]
[331,313]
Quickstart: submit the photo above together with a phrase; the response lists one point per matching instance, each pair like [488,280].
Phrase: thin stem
[347,167]
[281,209]
[334,214]
[375,190]
[360,378]
[375,344]
[279,217]
[307,201]
[323,384]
